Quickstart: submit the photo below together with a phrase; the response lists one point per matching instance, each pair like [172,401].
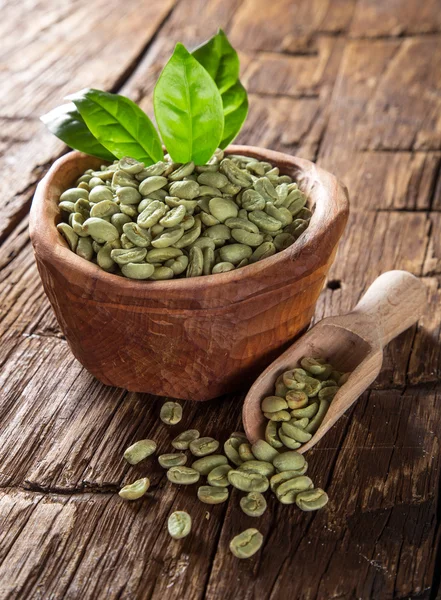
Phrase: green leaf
[235,101]
[221,61]
[67,124]
[119,124]
[188,109]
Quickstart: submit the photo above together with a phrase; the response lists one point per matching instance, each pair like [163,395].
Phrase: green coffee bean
[245,237]
[283,476]
[119,220]
[173,217]
[287,491]
[296,433]
[223,267]
[215,179]
[212,495]
[253,504]
[135,490]
[281,214]
[246,543]
[307,411]
[289,461]
[248,481]
[177,265]
[257,466]
[203,446]
[265,188]
[219,232]
[171,413]
[296,399]
[195,262]
[104,258]
[95,181]
[132,255]
[172,460]
[162,273]
[186,190]
[100,230]
[291,382]
[287,441]
[231,449]
[208,260]
[234,253]
[151,214]
[311,499]
[312,386]
[182,171]
[189,236]
[300,422]
[182,441]
[317,419]
[273,404]
[69,235]
[179,524]
[74,194]
[271,435]
[128,195]
[327,392]
[264,451]
[159,255]
[265,250]
[183,475]
[264,222]
[151,184]
[84,248]
[138,236]
[206,464]
[223,209]
[312,366]
[139,451]
[218,476]
[83,207]
[245,452]
[280,388]
[283,241]
[280,415]
[69,207]
[156,169]
[234,174]
[169,237]
[128,210]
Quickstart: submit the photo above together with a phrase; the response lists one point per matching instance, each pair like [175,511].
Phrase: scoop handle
[394,302]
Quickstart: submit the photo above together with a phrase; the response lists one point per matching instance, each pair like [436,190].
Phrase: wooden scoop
[352,342]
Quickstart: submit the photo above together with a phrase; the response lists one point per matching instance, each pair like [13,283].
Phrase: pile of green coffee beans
[252,469]
[301,399]
[181,220]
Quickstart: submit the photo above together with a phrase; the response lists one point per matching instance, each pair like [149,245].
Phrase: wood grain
[366,110]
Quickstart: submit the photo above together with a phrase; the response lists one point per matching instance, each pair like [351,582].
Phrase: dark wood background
[352,84]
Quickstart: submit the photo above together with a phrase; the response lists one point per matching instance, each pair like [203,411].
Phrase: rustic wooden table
[352,84]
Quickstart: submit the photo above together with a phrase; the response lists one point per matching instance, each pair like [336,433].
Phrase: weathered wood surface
[352,84]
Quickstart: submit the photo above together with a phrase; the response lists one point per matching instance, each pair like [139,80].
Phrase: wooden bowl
[187,338]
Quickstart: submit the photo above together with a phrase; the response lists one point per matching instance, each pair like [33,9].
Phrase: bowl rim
[331,209]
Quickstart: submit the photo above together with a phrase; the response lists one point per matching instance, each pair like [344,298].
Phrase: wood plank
[369,110]
[375,18]
[271,73]
[382,540]
[61,42]
[286,26]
